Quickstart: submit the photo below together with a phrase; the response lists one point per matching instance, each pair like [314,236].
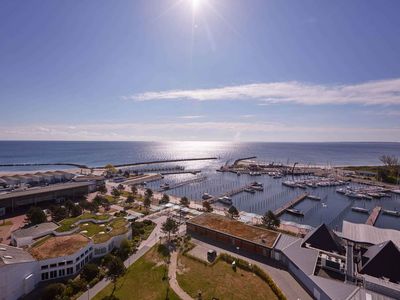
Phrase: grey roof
[284,241]
[35,230]
[46,189]
[335,289]
[12,255]
[304,258]
[324,238]
[364,233]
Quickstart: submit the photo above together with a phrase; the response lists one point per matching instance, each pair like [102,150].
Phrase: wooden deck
[374,216]
[290,204]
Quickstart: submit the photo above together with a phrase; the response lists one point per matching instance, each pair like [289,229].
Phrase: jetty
[182,183]
[244,158]
[160,162]
[373,216]
[194,172]
[230,193]
[290,204]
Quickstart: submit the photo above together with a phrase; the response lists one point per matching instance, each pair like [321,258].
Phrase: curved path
[172,277]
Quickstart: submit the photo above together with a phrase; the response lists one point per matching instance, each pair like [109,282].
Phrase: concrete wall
[14,281]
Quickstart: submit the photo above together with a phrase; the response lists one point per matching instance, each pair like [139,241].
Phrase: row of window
[61,273]
[60,264]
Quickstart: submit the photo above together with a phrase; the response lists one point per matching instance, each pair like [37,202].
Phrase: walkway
[172,277]
[142,249]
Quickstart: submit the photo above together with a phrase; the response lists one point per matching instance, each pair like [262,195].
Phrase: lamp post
[88,291]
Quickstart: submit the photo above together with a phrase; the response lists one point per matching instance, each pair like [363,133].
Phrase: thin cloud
[190,117]
[382,92]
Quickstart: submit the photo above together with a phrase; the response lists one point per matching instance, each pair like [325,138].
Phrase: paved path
[283,279]
[172,277]
[142,249]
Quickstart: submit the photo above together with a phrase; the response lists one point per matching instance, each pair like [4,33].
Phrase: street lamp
[88,291]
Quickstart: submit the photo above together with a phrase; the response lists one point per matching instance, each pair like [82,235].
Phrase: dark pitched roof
[381,260]
[325,239]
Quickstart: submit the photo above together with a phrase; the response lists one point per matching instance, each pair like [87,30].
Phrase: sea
[332,209]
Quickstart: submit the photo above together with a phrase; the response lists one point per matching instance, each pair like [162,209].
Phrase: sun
[196,4]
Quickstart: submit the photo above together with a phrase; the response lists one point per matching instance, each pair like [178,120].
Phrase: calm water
[332,209]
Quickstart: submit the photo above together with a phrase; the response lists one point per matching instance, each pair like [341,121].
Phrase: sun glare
[195,4]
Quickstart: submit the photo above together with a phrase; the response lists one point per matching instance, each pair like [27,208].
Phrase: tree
[125,249]
[207,206]
[130,199]
[59,213]
[75,211]
[115,193]
[389,160]
[69,205]
[134,190]
[89,272]
[170,226]
[110,169]
[185,201]
[233,212]
[147,202]
[164,199]
[102,189]
[53,291]
[148,193]
[116,269]
[36,216]
[120,187]
[271,220]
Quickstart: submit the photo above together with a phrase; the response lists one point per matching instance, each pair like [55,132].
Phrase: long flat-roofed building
[234,233]
[32,196]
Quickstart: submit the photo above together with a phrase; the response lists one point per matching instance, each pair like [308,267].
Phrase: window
[61,263]
[45,276]
[44,267]
[53,265]
[77,259]
[86,252]
[53,274]
[61,272]
[77,267]
[69,262]
[82,254]
[91,248]
[86,259]
[70,271]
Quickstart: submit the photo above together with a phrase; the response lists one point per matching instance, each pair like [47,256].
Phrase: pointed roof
[324,238]
[381,261]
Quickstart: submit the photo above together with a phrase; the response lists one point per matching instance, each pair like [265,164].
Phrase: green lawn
[220,281]
[143,280]
[66,224]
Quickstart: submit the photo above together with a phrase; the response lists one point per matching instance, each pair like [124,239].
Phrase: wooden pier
[290,204]
[374,216]
[182,183]
[229,193]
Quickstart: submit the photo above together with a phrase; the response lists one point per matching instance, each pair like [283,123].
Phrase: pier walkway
[229,193]
[290,204]
[194,172]
[182,183]
[374,216]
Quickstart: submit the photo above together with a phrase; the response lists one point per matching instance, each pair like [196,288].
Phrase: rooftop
[46,189]
[364,233]
[13,255]
[35,230]
[235,228]
[51,247]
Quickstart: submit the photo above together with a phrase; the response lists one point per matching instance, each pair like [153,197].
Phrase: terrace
[52,247]
[236,229]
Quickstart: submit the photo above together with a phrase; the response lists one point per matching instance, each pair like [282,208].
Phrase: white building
[24,237]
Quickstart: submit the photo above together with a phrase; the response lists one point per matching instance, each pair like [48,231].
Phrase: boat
[249,190]
[354,195]
[360,209]
[312,197]
[341,191]
[238,173]
[311,185]
[206,196]
[164,186]
[255,183]
[396,192]
[277,176]
[257,188]
[225,200]
[289,184]
[300,185]
[295,212]
[391,212]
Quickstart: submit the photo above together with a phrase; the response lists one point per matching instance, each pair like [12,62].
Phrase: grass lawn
[66,224]
[143,280]
[220,281]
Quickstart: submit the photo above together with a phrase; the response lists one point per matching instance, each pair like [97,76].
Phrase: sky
[229,70]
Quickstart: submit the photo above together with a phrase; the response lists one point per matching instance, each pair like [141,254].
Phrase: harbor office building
[58,192]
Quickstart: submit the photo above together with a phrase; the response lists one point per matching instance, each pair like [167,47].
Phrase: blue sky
[258,70]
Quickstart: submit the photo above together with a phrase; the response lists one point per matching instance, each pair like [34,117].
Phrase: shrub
[163,250]
[89,272]
[53,291]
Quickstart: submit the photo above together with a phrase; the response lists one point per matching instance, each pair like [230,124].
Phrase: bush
[89,272]
[76,286]
[35,215]
[163,250]
[53,291]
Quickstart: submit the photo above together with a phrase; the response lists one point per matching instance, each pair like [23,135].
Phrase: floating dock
[290,204]
[182,183]
[374,216]
[230,193]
